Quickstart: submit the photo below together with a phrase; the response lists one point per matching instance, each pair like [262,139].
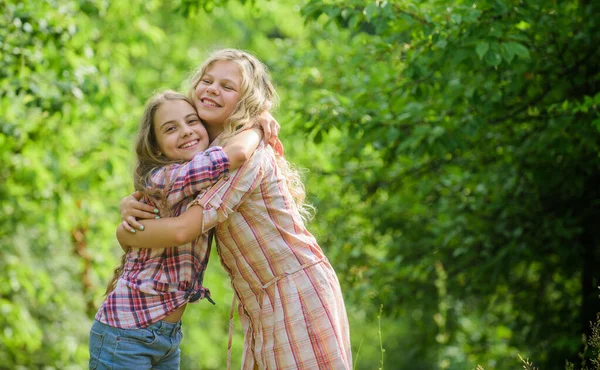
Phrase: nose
[186,131]
[212,89]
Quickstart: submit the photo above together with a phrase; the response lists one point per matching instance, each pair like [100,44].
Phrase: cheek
[201,131]
[233,100]
[199,89]
[163,145]
[158,143]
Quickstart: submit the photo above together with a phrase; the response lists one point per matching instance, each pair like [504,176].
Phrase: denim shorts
[153,347]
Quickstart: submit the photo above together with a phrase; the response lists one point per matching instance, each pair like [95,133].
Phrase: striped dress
[290,301]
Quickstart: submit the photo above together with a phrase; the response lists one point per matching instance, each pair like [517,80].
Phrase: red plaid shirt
[155,282]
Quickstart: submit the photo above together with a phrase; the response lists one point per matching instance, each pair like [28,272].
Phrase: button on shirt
[155,282]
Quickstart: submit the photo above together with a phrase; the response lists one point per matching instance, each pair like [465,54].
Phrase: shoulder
[264,157]
[158,176]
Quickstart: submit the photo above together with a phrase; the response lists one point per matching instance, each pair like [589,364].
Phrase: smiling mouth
[187,145]
[209,102]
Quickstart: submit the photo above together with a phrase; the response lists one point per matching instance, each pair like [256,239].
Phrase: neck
[213,131]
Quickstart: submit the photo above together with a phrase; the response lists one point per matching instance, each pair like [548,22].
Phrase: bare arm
[164,232]
[208,211]
[241,146]
[238,149]
[271,128]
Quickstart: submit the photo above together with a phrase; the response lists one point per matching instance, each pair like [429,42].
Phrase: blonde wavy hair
[257,95]
[149,158]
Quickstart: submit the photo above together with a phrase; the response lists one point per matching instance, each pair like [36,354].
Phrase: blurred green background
[451,151]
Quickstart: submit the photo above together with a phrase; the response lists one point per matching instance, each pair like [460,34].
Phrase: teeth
[208,102]
[188,144]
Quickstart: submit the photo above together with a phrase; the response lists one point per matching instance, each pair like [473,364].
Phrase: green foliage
[74,75]
[452,148]
[190,8]
[467,132]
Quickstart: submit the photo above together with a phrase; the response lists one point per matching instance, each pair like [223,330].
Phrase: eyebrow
[173,121]
[223,79]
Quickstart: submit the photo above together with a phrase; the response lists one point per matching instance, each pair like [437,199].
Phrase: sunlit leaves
[462,109]
[456,134]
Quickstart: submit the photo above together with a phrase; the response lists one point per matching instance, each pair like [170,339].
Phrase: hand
[271,131]
[132,209]
[278,146]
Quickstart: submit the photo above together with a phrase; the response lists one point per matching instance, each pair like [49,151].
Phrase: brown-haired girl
[291,304]
[138,324]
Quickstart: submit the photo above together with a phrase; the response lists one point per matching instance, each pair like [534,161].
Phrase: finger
[144,215]
[137,194]
[266,133]
[278,146]
[135,204]
[143,207]
[134,224]
[127,227]
[275,127]
[138,209]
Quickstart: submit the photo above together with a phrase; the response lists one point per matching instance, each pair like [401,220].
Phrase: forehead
[225,69]
[172,110]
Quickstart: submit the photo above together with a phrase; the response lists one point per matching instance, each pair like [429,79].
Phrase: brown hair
[149,158]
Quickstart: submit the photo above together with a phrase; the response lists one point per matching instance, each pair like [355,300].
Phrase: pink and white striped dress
[290,301]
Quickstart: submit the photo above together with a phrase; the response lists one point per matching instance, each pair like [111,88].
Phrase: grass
[591,352]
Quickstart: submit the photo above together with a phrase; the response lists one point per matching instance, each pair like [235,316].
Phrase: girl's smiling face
[180,134]
[218,92]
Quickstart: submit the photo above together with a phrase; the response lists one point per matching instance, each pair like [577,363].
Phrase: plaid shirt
[155,282]
[291,304]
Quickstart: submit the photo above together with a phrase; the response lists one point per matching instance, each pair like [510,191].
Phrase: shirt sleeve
[187,179]
[230,192]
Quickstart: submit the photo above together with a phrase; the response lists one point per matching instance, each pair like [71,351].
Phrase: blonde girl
[290,301]
[138,324]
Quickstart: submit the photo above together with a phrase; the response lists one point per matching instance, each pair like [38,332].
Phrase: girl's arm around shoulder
[241,146]
[174,231]
[206,167]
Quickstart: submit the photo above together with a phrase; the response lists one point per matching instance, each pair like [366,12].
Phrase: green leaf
[522,25]
[517,49]
[481,49]
[507,52]
[354,21]
[371,11]
[494,57]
